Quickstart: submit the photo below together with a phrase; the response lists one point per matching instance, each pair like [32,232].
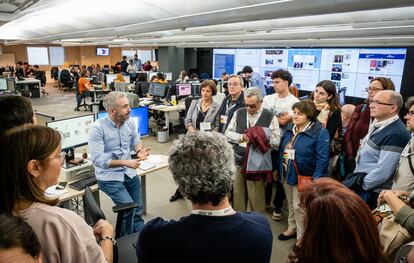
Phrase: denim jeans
[125,192]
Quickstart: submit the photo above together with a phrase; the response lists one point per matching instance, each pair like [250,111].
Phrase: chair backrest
[92,206]
[121,86]
[65,76]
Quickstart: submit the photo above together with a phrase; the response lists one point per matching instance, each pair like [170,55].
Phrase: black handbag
[354,181]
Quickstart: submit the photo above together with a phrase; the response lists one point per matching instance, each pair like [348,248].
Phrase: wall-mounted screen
[102,51]
[350,68]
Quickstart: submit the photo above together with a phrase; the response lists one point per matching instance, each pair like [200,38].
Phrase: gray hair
[236,76]
[253,91]
[202,164]
[409,102]
[111,100]
[394,98]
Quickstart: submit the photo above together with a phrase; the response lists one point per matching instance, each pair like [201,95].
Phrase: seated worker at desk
[119,84]
[201,116]
[83,89]
[31,155]
[111,140]
[202,164]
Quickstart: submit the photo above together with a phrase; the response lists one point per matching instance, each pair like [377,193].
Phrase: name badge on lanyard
[205,126]
[223,119]
[289,154]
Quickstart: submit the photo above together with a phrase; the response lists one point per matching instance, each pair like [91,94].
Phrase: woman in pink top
[30,162]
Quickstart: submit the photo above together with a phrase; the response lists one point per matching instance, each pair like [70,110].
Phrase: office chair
[66,80]
[124,249]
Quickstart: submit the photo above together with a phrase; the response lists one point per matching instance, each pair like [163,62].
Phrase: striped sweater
[379,156]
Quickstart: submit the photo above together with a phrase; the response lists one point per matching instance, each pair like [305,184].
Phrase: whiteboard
[57,56]
[38,55]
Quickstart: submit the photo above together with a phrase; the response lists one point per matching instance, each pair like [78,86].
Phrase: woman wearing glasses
[360,121]
[31,158]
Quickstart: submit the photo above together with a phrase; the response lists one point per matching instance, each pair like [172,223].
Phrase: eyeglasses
[252,106]
[61,157]
[370,88]
[229,84]
[410,113]
[376,102]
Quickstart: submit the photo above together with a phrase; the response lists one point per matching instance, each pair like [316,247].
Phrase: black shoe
[76,109]
[282,237]
[176,196]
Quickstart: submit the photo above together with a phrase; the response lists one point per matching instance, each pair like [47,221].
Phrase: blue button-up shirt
[107,143]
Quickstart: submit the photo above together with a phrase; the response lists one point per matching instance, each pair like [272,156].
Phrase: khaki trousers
[248,195]
[296,214]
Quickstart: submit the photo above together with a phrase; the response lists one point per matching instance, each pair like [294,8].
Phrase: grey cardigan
[192,113]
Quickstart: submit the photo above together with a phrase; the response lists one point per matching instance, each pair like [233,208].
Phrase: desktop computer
[77,172]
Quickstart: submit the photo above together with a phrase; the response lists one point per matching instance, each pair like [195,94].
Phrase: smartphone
[61,185]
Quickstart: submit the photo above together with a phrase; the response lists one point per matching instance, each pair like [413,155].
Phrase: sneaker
[277,216]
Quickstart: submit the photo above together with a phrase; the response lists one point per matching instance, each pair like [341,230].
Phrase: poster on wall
[304,64]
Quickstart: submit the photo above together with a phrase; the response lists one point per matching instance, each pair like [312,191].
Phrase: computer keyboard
[82,183]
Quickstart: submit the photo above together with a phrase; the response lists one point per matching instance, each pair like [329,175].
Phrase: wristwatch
[109,238]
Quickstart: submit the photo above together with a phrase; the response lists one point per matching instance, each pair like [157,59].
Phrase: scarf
[324,112]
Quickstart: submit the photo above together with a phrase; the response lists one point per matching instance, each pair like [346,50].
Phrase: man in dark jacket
[124,64]
[233,102]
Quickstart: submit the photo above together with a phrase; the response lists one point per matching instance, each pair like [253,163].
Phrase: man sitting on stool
[202,165]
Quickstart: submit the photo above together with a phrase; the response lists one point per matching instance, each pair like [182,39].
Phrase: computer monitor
[43,118]
[11,84]
[110,78]
[142,88]
[3,84]
[195,91]
[158,89]
[95,80]
[183,89]
[74,131]
[168,76]
[102,51]
[138,114]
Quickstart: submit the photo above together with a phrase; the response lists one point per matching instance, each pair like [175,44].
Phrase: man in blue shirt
[137,62]
[110,142]
[253,79]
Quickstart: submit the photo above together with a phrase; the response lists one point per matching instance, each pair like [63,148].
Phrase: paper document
[155,160]
[145,165]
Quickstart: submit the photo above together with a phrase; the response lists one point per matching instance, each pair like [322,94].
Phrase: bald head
[346,113]
[393,97]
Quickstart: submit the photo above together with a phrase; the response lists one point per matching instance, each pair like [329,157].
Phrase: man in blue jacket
[253,79]
[381,148]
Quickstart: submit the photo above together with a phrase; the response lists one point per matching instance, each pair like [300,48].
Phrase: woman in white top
[183,78]
[31,158]
[132,68]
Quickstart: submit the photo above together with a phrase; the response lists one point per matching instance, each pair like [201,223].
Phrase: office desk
[143,174]
[28,81]
[167,110]
[74,196]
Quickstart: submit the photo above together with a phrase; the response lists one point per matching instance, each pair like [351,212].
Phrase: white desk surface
[72,193]
[166,108]
[27,81]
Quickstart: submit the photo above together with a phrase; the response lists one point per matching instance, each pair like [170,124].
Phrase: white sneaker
[277,216]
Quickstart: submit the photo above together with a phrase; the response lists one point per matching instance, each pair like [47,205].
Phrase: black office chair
[124,249]
[66,80]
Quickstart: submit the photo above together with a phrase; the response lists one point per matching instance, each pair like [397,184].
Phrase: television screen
[183,89]
[139,115]
[102,51]
[74,131]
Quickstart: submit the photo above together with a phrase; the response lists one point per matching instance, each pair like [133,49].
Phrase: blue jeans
[125,192]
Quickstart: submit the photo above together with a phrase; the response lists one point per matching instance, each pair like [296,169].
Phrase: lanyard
[222,212]
[227,107]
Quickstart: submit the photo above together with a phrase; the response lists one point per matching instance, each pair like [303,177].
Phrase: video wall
[352,68]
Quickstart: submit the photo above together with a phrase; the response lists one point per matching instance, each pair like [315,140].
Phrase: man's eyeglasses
[376,102]
[410,113]
[254,106]
[233,84]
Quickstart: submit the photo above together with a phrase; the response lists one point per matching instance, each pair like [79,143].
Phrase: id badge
[205,126]
[223,119]
[289,154]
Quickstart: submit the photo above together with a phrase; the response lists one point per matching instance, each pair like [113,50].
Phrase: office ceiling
[213,23]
